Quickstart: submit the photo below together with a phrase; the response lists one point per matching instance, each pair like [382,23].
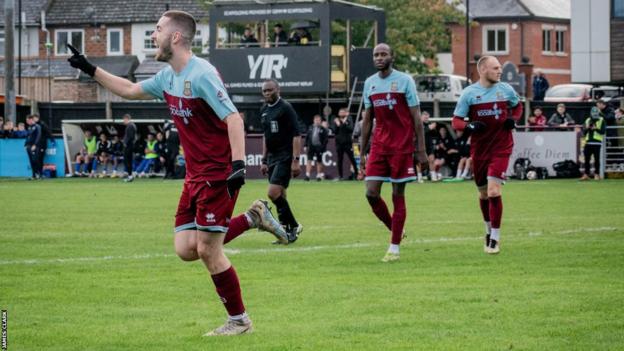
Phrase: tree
[417,29]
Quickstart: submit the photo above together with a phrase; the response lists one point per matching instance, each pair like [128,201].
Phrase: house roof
[70,12]
[38,68]
[32,9]
[148,68]
[547,9]
[122,66]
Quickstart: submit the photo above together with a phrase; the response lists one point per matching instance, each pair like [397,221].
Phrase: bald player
[390,96]
[488,111]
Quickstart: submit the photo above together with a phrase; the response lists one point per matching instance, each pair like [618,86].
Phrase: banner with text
[298,69]
[544,148]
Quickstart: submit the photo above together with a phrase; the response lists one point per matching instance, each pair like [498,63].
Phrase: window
[197,45]
[495,39]
[546,40]
[618,9]
[114,43]
[63,37]
[2,42]
[560,41]
[148,43]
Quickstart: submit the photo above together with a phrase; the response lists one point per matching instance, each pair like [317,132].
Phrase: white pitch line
[289,249]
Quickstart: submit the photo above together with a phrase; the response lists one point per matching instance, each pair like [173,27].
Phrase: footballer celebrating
[211,133]
[492,109]
[390,96]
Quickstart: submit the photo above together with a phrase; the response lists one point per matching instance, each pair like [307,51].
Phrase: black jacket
[344,132]
[323,136]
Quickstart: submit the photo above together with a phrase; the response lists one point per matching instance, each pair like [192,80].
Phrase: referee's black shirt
[280,124]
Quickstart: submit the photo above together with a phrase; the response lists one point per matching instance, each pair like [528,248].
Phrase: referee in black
[280,152]
[128,140]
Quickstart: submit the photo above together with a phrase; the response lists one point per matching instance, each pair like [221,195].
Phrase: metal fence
[612,151]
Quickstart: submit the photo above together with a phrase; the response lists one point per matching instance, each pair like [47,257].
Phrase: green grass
[89,265]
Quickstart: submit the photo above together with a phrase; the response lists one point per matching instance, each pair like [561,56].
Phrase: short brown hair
[185,22]
[482,61]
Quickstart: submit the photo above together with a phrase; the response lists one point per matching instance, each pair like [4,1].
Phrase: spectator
[608,114]
[102,156]
[463,150]
[86,155]
[8,130]
[162,152]
[560,118]
[300,36]
[34,147]
[21,131]
[434,136]
[444,152]
[47,133]
[117,154]
[594,131]
[343,129]
[248,39]
[1,127]
[431,134]
[279,36]
[537,121]
[128,141]
[172,147]
[150,158]
[619,121]
[540,85]
[315,146]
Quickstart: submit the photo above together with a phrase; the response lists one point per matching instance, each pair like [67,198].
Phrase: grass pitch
[89,265]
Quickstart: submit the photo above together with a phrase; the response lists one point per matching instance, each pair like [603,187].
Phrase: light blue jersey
[198,104]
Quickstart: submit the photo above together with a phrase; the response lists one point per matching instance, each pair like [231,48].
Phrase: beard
[164,53]
[384,67]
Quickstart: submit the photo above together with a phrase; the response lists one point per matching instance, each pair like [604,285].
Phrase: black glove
[80,62]
[475,127]
[237,178]
[509,124]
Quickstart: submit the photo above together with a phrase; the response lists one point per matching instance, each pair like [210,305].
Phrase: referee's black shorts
[280,172]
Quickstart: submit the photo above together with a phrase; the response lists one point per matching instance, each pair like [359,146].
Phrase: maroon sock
[238,225]
[398,218]
[485,209]
[229,291]
[381,211]
[496,211]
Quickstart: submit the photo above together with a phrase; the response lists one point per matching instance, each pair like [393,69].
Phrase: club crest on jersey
[389,101]
[394,86]
[180,111]
[187,88]
[221,96]
[500,96]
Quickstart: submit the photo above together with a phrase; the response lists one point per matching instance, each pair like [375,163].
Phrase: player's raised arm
[119,86]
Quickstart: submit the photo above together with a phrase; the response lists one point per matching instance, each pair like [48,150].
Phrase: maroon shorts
[204,206]
[493,168]
[396,168]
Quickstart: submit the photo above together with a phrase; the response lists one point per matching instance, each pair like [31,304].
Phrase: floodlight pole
[468,39]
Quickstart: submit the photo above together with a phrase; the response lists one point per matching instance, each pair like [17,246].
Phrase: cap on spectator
[595,112]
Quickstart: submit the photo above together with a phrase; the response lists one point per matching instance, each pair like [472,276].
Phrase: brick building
[114,34]
[531,34]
